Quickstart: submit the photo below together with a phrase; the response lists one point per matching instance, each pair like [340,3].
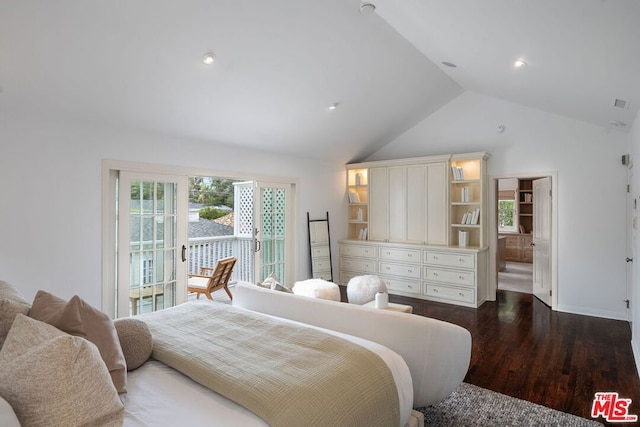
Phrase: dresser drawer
[450,259]
[324,275]
[320,251]
[397,254]
[450,292]
[321,264]
[401,285]
[456,277]
[356,250]
[404,270]
[358,265]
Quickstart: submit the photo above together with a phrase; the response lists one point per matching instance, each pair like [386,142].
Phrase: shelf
[466,225]
[464,203]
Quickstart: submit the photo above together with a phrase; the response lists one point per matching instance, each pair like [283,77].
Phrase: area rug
[474,406]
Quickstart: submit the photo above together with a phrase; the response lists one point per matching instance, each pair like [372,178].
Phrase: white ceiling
[280,64]
[581,54]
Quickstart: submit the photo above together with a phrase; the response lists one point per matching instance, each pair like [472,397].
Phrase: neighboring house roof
[225,220]
[207,228]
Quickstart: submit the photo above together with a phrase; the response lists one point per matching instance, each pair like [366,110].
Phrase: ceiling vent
[621,103]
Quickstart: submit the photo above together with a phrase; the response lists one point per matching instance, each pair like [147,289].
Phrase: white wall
[50,209]
[634,150]
[591,185]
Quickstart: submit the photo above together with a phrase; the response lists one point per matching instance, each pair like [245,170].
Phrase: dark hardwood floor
[523,349]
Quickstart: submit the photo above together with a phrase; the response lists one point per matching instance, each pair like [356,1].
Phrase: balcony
[202,252]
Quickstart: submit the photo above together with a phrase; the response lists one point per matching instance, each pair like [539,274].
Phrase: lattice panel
[243,209]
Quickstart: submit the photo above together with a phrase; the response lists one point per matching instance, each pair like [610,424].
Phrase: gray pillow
[136,341]
[52,378]
[11,303]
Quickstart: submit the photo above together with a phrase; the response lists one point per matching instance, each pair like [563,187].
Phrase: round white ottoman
[317,288]
[363,289]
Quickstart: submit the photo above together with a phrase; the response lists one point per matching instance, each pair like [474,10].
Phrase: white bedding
[159,395]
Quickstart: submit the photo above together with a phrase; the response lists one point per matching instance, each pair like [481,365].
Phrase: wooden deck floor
[523,349]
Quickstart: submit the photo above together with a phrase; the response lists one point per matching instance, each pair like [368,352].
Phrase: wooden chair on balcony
[212,279]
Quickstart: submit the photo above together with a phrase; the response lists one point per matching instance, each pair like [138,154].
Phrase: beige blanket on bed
[288,375]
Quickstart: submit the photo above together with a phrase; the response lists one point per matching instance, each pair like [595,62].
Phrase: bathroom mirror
[320,248]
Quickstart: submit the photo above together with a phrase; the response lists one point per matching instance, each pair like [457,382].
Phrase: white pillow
[52,378]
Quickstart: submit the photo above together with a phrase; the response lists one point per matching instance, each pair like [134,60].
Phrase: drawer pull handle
[435,291]
[461,277]
[409,271]
[410,255]
[388,253]
[435,258]
[461,294]
[409,286]
[388,268]
[435,274]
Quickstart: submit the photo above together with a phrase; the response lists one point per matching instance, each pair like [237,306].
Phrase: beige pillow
[270,281]
[11,303]
[52,378]
[136,341]
[78,318]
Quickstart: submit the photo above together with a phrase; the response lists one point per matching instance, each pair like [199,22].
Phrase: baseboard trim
[593,313]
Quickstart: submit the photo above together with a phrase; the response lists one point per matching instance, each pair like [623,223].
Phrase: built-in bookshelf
[467,201]
[525,205]
[358,196]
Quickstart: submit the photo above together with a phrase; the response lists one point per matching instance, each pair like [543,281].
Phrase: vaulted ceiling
[280,64]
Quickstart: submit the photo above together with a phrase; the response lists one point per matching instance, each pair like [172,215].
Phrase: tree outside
[211,192]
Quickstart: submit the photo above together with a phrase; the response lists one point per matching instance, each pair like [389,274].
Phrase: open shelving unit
[466,199]
[358,196]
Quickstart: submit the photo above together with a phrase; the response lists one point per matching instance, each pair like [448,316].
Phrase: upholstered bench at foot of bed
[436,352]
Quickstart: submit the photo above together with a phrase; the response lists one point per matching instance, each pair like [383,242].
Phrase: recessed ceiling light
[367,8]
[519,63]
[333,106]
[449,64]
[208,58]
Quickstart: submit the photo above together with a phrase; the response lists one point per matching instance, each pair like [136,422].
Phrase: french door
[273,231]
[151,241]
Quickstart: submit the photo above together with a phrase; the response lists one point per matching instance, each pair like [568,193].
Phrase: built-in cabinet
[405,221]
[408,203]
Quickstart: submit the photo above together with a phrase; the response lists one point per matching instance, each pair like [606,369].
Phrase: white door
[152,239]
[631,236]
[542,239]
[274,231]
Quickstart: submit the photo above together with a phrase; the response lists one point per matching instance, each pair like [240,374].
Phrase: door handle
[629,259]
[184,253]
[533,244]
[257,246]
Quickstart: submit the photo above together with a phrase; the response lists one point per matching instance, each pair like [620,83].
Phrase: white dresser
[437,273]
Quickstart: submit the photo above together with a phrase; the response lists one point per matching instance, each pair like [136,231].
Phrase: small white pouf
[363,289]
[317,288]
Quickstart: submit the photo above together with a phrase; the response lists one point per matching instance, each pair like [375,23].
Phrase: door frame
[492,285]
[110,170]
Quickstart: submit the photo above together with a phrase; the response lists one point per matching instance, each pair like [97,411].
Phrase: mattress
[161,396]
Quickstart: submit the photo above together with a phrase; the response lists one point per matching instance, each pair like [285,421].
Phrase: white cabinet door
[397,204]
[437,204]
[416,202]
[378,204]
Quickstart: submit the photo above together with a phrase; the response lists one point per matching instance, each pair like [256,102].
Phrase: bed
[272,358]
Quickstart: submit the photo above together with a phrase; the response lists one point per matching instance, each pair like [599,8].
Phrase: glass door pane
[151,233]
